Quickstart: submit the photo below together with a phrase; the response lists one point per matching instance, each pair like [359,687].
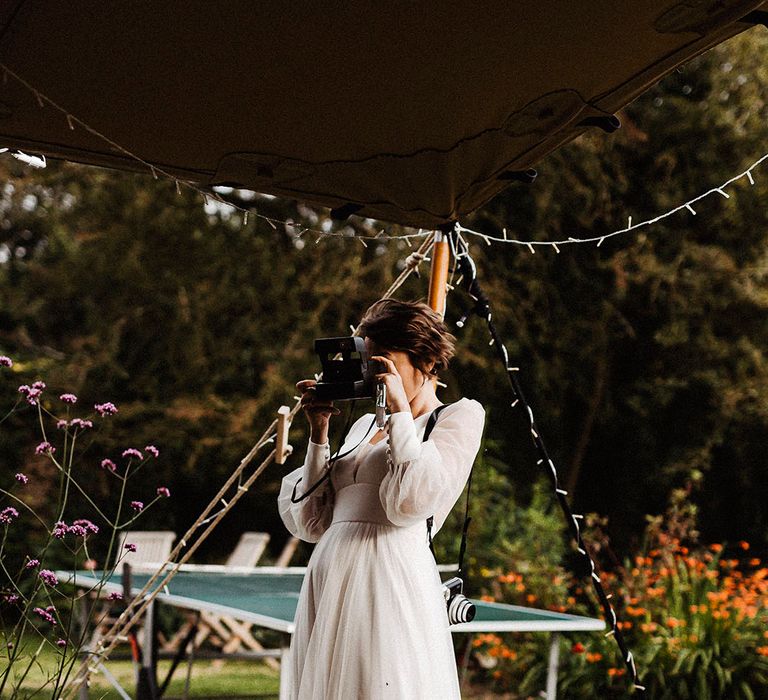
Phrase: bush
[694,619]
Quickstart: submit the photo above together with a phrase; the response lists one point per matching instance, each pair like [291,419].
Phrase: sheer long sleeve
[427,478]
[310,518]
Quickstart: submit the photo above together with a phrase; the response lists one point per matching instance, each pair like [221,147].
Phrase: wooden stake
[282,448]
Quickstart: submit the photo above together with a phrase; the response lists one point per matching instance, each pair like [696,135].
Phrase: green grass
[217,677]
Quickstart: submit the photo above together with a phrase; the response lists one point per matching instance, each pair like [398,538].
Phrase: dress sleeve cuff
[317,458]
[404,443]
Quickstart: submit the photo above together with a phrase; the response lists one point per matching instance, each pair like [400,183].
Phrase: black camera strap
[332,461]
[431,519]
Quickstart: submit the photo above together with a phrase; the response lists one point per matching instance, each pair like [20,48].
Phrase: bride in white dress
[371,620]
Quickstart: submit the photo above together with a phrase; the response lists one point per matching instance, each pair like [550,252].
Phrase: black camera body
[347,372]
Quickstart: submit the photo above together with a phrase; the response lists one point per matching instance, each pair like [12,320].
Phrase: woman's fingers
[305,384]
[390,365]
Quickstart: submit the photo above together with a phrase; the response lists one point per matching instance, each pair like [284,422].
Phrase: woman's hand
[318,413]
[396,397]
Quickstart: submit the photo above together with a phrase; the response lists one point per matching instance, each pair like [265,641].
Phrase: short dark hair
[412,327]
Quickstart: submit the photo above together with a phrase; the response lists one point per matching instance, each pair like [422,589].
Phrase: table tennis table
[268,596]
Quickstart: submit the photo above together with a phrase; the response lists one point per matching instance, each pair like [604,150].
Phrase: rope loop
[414,260]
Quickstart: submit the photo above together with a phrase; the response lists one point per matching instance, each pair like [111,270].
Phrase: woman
[371,620]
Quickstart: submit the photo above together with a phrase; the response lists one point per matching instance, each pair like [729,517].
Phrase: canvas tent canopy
[414,113]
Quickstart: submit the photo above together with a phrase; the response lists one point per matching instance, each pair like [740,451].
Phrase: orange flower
[673,622]
[744,545]
[487,598]
[754,562]
[648,627]
[716,547]
[577,648]
[763,651]
[616,671]
[530,598]
[593,657]
[497,674]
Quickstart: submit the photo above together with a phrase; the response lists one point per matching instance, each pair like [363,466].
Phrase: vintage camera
[460,608]
[347,372]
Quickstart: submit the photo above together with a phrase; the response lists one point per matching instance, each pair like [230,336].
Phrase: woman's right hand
[318,413]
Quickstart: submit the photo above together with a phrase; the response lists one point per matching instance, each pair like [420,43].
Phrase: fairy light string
[209,193]
[482,308]
[688,206]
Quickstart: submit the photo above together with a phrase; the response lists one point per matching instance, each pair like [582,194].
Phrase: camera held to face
[347,372]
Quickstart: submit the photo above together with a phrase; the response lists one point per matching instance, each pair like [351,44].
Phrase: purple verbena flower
[106,409]
[38,385]
[86,525]
[10,597]
[61,424]
[48,577]
[45,446]
[31,393]
[68,398]
[59,530]
[115,595]
[133,452]
[152,450]
[8,514]
[130,546]
[5,361]
[32,563]
[108,464]
[23,478]
[137,505]
[77,530]
[80,423]
[46,614]
[163,491]
[61,642]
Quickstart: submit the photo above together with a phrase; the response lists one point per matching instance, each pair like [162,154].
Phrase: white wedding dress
[371,621]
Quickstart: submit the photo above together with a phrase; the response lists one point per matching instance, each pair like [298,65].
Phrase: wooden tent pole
[438,274]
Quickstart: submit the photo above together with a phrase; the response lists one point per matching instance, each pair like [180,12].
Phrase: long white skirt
[371,620]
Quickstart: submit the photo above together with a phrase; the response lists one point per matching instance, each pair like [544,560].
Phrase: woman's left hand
[396,398]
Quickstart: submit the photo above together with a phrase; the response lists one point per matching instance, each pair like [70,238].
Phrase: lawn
[217,677]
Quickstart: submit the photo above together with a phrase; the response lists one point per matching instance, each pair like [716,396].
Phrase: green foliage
[694,620]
